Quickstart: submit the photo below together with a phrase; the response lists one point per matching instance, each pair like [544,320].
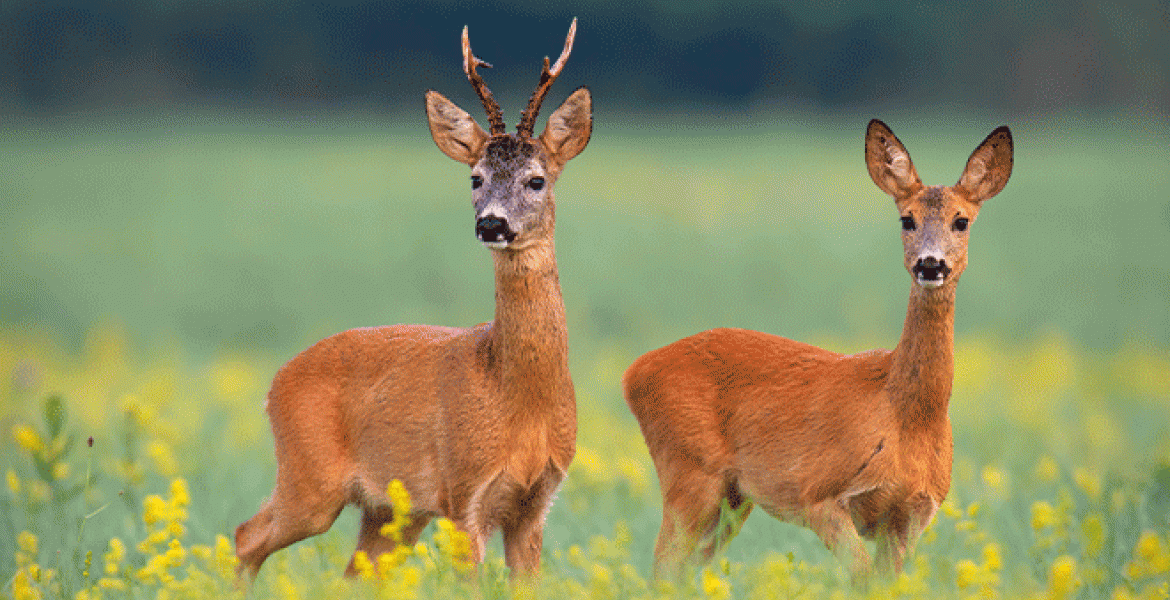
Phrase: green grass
[157,269]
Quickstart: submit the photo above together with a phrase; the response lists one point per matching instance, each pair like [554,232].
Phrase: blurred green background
[247,175]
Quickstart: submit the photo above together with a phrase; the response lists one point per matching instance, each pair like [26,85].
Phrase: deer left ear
[454,131]
[990,166]
[569,127]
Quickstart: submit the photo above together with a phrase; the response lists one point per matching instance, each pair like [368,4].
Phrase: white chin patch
[931,283]
[497,245]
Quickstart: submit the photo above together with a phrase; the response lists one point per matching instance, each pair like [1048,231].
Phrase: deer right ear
[888,161]
[990,165]
[569,127]
[454,131]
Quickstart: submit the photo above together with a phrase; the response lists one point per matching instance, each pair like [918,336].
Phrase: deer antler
[470,62]
[547,77]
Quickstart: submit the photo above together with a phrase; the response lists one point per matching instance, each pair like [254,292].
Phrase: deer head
[512,175]
[935,219]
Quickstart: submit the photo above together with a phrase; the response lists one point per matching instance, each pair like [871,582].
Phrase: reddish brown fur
[849,446]
[479,424]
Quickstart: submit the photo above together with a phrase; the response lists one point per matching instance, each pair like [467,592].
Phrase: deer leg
[906,524]
[289,516]
[690,513]
[831,520]
[891,543]
[524,533]
[522,543]
[374,544]
[728,521]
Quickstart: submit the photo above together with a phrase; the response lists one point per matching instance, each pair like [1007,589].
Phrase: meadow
[158,268]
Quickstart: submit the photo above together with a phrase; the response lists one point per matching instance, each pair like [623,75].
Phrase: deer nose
[931,271]
[494,231]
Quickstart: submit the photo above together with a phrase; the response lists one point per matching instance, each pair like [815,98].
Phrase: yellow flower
[1043,515]
[175,553]
[154,509]
[27,542]
[285,587]
[966,574]
[1089,482]
[992,559]
[1094,529]
[399,497]
[23,589]
[115,555]
[61,471]
[400,501]
[110,583]
[362,564]
[453,543]
[163,457]
[152,539]
[1148,548]
[995,479]
[1047,470]
[180,494]
[714,586]
[1062,578]
[13,482]
[949,509]
[28,438]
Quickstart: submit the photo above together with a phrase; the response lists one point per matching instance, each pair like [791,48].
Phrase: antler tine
[547,77]
[470,62]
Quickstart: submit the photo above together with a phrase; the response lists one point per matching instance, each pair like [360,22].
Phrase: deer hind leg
[734,509]
[524,533]
[374,544]
[690,517]
[291,514]
[901,532]
[831,520]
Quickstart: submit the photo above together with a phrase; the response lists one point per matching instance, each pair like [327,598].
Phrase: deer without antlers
[848,446]
[479,424]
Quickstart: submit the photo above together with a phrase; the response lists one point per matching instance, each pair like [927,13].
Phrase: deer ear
[454,131]
[569,127]
[990,166]
[888,161]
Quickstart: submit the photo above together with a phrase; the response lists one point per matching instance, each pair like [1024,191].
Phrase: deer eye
[536,183]
[961,224]
[907,223]
[476,181]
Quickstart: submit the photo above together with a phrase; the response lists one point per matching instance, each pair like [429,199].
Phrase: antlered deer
[479,424]
[848,446]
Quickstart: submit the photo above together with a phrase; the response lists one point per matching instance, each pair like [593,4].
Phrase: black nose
[493,229]
[931,269]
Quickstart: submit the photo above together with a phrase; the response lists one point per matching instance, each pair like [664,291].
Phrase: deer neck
[922,365]
[529,335]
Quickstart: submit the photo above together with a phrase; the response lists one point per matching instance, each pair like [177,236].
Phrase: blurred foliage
[646,55]
[228,230]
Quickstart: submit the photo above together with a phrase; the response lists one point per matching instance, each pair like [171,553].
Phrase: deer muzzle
[494,232]
[931,271]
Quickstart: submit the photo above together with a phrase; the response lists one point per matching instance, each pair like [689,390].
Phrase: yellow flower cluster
[983,576]
[31,582]
[1063,580]
[1052,525]
[1151,557]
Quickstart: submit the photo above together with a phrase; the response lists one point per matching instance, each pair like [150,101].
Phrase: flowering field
[126,475]
[156,273]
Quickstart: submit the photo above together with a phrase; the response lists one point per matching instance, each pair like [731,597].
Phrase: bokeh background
[253,174]
[216,185]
